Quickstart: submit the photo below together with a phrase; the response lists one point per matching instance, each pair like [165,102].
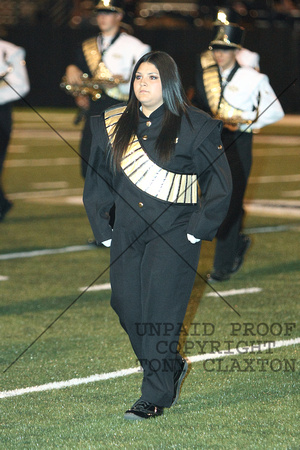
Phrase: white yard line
[54,251]
[295,193]
[96,287]
[46,194]
[272,139]
[50,185]
[271,152]
[4,278]
[15,148]
[47,134]
[41,162]
[80,248]
[273,208]
[272,229]
[270,345]
[275,179]
[130,371]
[76,193]
[253,290]
[231,292]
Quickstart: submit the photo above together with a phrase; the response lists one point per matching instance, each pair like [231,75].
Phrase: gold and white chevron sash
[148,176]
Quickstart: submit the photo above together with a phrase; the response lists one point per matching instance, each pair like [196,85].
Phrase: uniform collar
[157,113]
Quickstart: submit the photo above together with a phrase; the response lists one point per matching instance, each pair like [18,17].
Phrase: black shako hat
[226,35]
[115,6]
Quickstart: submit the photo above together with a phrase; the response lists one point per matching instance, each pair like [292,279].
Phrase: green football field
[67,369]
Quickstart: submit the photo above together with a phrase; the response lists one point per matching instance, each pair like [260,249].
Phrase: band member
[14,84]
[146,158]
[108,57]
[243,99]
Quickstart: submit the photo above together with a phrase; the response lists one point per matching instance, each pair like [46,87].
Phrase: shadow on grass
[191,313]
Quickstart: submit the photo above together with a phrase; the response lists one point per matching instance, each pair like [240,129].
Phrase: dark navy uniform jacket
[199,151]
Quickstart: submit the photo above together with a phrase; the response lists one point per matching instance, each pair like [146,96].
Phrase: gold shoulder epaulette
[207,59]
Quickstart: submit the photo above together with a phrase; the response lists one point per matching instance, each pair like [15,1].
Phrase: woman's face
[147,87]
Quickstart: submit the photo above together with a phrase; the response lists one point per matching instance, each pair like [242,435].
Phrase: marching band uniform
[112,57]
[243,99]
[153,264]
[14,84]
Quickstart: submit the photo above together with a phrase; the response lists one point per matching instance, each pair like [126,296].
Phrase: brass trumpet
[230,115]
[234,120]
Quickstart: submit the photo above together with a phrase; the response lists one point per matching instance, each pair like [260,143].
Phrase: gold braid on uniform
[148,176]
[219,107]
[107,81]
[91,54]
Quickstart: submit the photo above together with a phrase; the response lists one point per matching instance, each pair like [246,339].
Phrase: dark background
[49,47]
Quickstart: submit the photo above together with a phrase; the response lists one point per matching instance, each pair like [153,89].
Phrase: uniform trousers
[238,149]
[5,132]
[152,277]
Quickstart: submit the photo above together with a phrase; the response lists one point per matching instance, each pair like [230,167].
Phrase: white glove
[249,115]
[192,239]
[106,243]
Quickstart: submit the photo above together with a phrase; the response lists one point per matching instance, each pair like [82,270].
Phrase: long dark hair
[175,105]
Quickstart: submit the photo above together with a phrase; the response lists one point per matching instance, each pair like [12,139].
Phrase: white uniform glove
[106,243]
[192,238]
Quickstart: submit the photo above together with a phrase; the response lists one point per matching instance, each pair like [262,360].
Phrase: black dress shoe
[243,245]
[143,410]
[4,208]
[218,276]
[179,375]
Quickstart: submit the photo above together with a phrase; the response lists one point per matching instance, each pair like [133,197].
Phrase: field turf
[52,331]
